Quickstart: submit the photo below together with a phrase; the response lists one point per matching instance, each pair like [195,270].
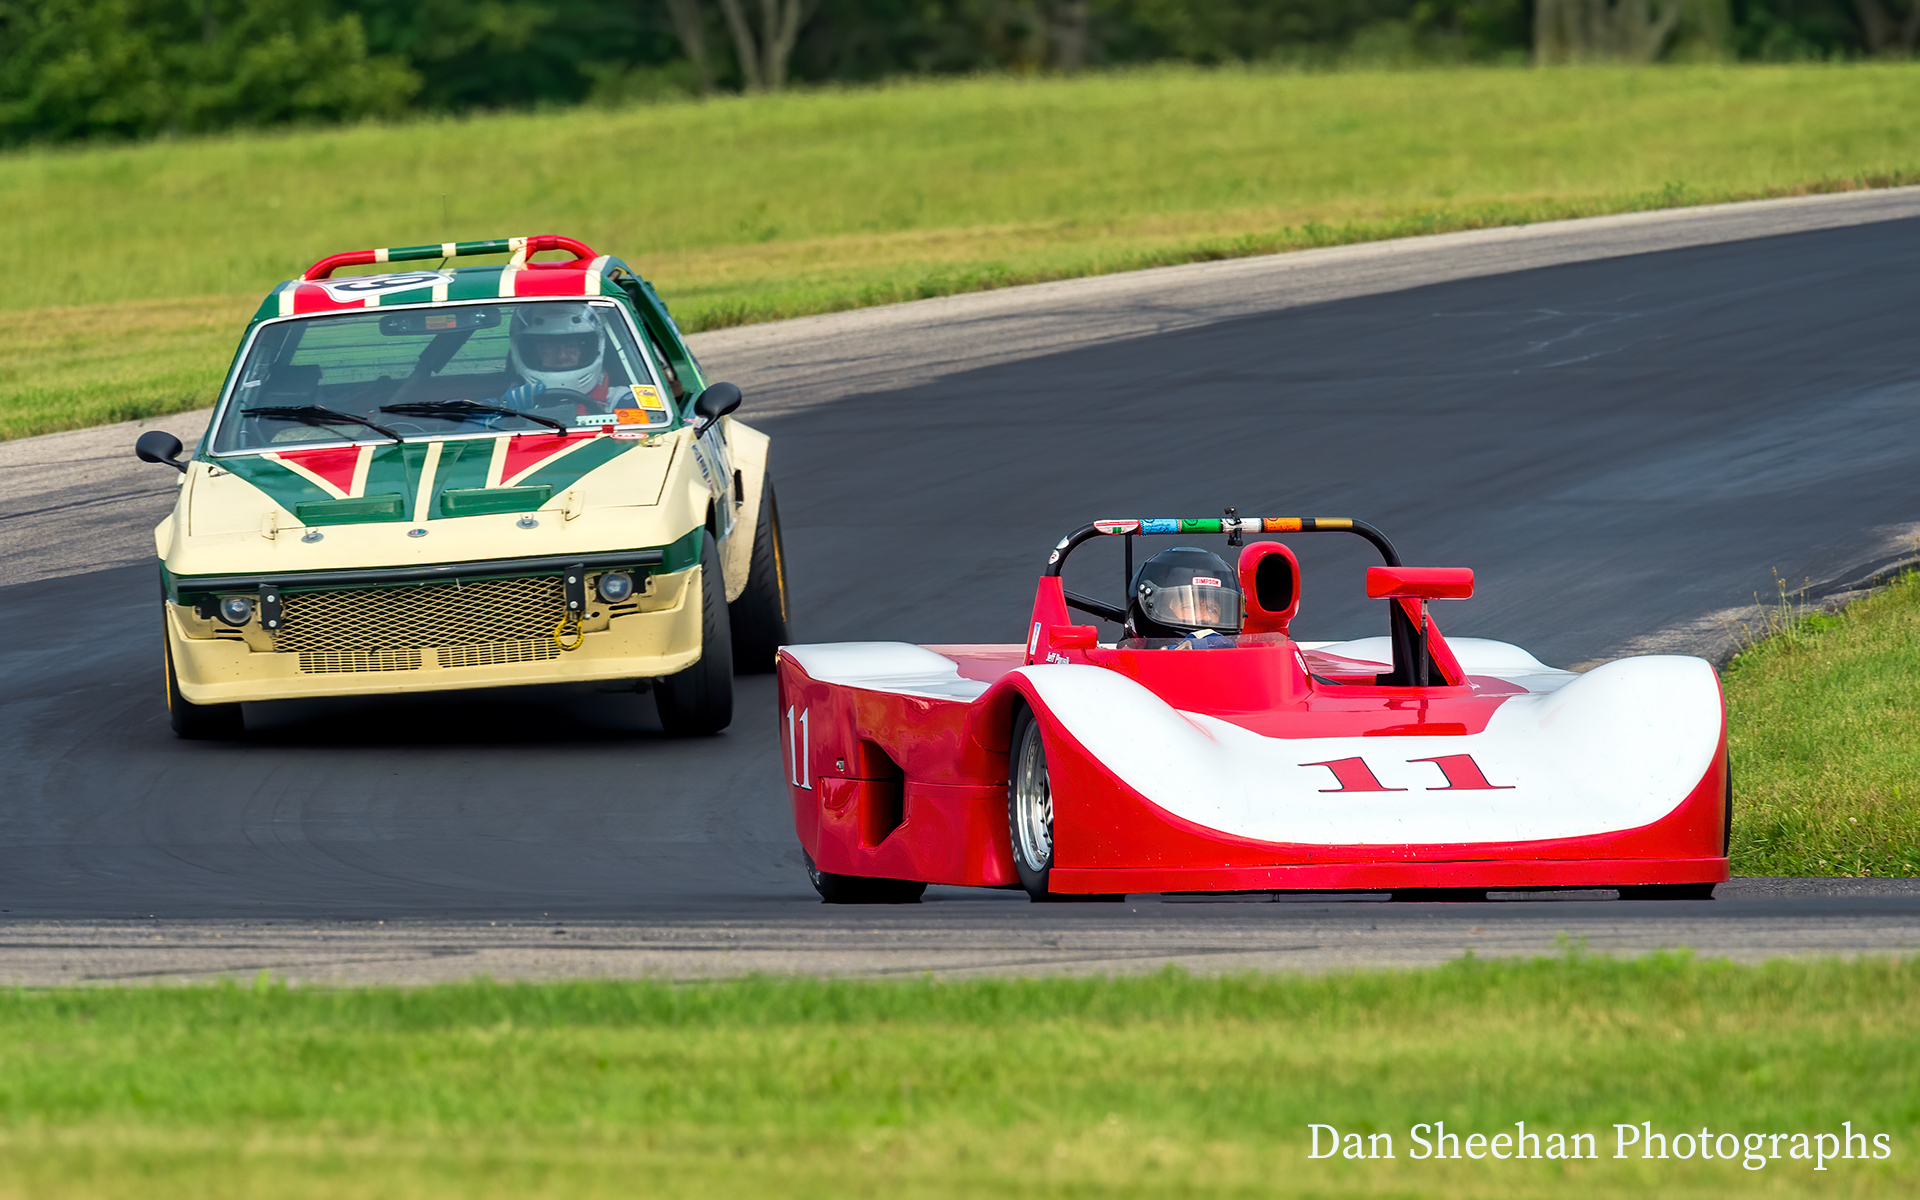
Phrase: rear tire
[199,722]
[858,889]
[699,700]
[759,616]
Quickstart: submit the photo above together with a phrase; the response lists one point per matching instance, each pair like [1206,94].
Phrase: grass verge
[747,209]
[1162,1085]
[1824,715]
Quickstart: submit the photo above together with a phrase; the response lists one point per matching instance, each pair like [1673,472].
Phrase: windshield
[532,366]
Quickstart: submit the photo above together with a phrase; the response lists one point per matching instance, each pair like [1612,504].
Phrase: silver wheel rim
[1033,804]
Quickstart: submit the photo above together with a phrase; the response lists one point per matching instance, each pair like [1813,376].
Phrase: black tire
[199,722]
[1033,843]
[1668,891]
[1029,805]
[699,700]
[858,889]
[760,616]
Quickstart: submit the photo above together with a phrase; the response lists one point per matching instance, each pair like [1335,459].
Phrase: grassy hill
[131,266]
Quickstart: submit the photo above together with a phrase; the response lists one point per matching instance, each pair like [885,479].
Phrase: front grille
[531,650]
[329,662]
[386,629]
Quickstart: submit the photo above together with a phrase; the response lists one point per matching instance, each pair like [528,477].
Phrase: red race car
[1209,751]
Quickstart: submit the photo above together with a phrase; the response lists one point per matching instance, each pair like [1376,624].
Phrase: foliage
[1826,761]
[1154,1085]
[135,68]
[747,209]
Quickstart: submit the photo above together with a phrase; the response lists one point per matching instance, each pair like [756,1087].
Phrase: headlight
[235,610]
[615,587]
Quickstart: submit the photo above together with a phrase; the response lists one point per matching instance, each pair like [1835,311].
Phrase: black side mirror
[155,446]
[717,401]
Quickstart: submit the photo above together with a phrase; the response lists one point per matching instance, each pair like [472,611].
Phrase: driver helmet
[559,345]
[1183,591]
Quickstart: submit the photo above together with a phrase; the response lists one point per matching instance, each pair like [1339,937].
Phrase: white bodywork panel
[1616,748]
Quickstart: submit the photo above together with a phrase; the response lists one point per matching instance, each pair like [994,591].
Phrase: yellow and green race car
[474,477]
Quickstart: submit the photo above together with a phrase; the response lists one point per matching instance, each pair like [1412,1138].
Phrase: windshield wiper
[313,414]
[464,408]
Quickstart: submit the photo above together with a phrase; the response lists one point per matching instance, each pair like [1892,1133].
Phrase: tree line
[82,69]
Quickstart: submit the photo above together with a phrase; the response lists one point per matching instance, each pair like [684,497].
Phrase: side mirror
[717,401]
[156,446]
[1419,583]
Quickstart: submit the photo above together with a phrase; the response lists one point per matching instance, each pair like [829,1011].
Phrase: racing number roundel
[360,287]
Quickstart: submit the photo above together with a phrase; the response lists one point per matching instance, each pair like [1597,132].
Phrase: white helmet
[559,345]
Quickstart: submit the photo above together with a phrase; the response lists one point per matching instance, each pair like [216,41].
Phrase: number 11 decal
[798,751]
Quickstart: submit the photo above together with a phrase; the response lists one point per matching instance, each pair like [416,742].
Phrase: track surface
[1617,446]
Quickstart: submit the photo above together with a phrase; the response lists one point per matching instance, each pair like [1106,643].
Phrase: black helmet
[1180,591]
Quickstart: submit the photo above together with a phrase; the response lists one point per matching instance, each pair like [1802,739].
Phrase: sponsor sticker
[645,395]
[630,416]
[441,321]
[1208,580]
[1159,526]
[627,435]
[1117,526]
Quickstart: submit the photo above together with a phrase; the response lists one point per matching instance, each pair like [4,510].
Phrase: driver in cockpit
[1184,598]
[556,347]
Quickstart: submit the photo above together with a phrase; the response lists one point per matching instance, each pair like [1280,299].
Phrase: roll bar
[520,247]
[1129,527]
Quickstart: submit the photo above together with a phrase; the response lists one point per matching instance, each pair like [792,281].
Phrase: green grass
[745,209]
[1162,1085]
[1825,741]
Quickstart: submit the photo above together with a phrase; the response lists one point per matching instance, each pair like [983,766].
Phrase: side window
[665,360]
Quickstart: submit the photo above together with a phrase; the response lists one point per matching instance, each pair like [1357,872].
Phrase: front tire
[199,722]
[699,700]
[858,889]
[759,616]
[1030,806]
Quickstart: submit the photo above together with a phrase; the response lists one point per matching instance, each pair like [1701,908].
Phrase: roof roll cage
[520,247]
[1233,526]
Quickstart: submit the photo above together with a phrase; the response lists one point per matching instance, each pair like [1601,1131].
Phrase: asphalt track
[1627,449]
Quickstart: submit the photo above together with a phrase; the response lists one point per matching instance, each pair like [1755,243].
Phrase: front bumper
[653,639]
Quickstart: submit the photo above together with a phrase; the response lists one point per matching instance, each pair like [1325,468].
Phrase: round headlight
[615,587]
[236,610]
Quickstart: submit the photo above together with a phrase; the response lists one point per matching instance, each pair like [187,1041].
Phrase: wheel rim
[1033,804]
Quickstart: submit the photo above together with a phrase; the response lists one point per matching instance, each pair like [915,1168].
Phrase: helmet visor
[1194,606]
[559,352]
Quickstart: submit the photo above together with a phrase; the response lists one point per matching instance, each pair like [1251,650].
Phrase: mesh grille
[328,662]
[532,650]
[385,629]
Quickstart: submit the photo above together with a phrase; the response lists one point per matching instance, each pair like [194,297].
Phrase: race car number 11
[798,750]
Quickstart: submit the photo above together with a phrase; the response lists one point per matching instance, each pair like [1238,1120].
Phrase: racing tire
[1667,891]
[200,722]
[759,617]
[1030,815]
[699,700]
[1029,805]
[858,889]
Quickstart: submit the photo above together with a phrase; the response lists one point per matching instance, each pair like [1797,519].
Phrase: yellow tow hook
[560,632]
